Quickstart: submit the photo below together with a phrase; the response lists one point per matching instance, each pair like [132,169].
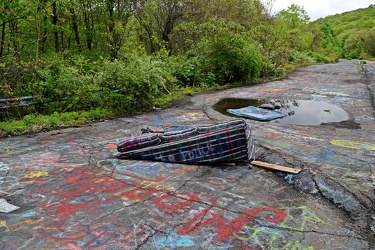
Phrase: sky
[321,8]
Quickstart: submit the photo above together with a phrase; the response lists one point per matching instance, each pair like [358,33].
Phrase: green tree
[294,16]
[119,13]
[353,44]
[224,55]
[329,38]
[158,19]
[295,19]
[11,15]
[369,42]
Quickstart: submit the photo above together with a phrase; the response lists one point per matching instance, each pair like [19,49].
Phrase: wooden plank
[276,167]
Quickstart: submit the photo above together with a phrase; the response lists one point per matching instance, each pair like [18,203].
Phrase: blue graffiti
[144,169]
[327,154]
[173,241]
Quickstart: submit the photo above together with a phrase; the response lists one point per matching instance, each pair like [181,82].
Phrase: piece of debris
[6,207]
[276,167]
[258,114]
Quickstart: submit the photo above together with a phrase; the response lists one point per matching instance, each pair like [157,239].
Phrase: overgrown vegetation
[90,59]
[354,32]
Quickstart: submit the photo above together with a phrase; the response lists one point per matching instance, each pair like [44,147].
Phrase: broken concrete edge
[313,181]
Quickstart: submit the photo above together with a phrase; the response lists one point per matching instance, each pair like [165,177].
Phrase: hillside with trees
[355,31]
[81,60]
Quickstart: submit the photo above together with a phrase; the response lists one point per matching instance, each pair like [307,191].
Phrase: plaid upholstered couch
[225,142]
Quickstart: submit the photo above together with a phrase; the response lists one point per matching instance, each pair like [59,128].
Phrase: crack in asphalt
[333,234]
[144,242]
[182,185]
[104,216]
[367,81]
[14,190]
[347,189]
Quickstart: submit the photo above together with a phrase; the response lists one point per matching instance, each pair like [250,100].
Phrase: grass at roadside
[37,123]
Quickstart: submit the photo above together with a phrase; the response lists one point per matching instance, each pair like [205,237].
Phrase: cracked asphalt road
[73,193]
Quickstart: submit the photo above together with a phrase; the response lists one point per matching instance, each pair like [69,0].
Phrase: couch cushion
[133,142]
[178,135]
[210,128]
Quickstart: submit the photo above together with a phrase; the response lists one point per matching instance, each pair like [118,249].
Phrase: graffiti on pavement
[353,144]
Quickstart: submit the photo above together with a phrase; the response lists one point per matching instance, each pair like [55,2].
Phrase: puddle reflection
[300,112]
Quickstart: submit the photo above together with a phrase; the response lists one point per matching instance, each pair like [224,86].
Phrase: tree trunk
[88,29]
[2,40]
[55,22]
[75,29]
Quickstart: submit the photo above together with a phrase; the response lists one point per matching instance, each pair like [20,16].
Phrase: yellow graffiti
[274,237]
[355,178]
[255,234]
[34,174]
[256,231]
[292,245]
[353,144]
[17,224]
[151,184]
[3,223]
[102,179]
[191,113]
[307,215]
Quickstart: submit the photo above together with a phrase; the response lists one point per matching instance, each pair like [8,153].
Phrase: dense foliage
[115,57]
[354,31]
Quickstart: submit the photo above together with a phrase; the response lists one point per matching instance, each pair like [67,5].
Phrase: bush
[54,120]
[67,119]
[185,71]
[29,120]
[319,58]
[235,60]
[297,57]
[57,85]
[228,56]
[132,86]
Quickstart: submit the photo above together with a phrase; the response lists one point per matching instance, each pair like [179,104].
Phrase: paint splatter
[353,144]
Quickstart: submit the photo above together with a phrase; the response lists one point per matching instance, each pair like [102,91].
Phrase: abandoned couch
[226,142]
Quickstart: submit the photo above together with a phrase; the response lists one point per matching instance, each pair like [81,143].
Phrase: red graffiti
[98,233]
[91,184]
[34,179]
[175,207]
[66,208]
[57,227]
[138,193]
[86,183]
[225,230]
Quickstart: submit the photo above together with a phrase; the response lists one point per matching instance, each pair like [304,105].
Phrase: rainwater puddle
[300,112]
